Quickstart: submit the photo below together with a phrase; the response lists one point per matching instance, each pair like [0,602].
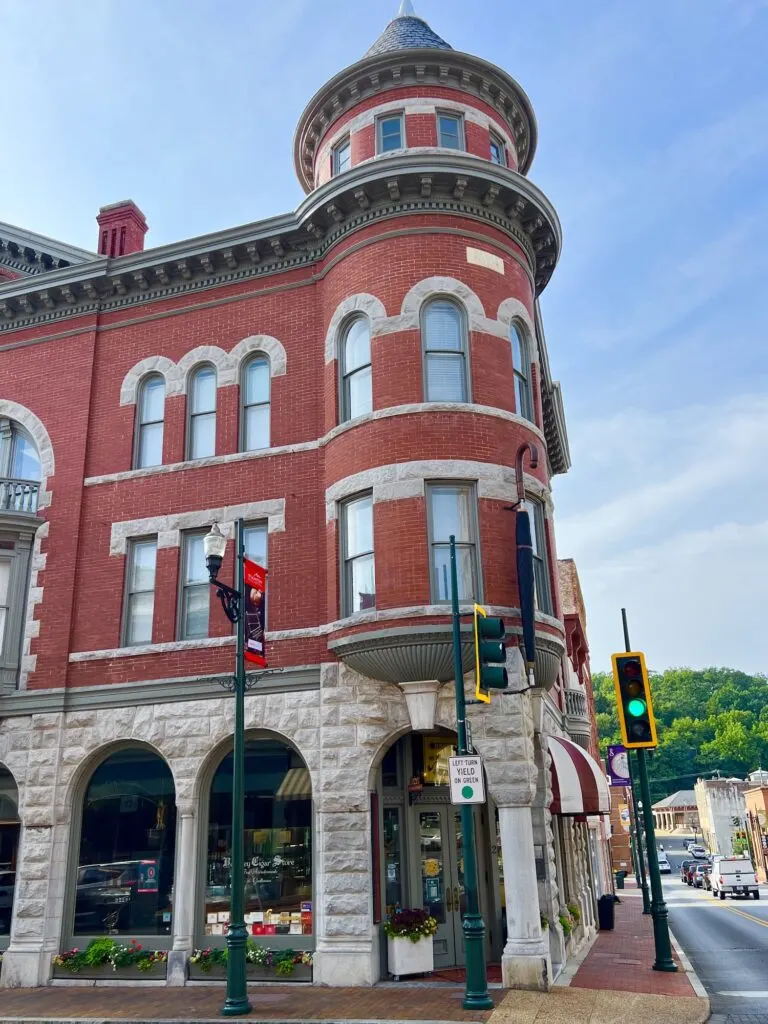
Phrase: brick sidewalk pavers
[622,960]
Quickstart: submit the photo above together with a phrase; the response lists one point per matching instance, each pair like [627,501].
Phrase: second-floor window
[358,583]
[195,598]
[451,510]
[151,413]
[356,384]
[498,150]
[540,556]
[201,441]
[521,367]
[450,131]
[140,592]
[444,343]
[256,408]
[389,133]
[18,453]
[342,156]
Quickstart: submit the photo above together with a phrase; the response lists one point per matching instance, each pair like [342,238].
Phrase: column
[525,962]
[184,889]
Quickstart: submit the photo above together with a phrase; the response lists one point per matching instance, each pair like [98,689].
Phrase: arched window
[19,459]
[278,846]
[356,384]
[444,339]
[9,848]
[150,416]
[521,367]
[201,434]
[254,389]
[125,866]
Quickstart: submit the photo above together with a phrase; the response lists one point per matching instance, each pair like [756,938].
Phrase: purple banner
[617,762]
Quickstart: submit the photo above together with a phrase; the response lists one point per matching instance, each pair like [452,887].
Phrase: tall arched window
[9,848]
[254,389]
[521,367]
[201,433]
[278,847]
[444,339]
[151,413]
[125,866]
[356,383]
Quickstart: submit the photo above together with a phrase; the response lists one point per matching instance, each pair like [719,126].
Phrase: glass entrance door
[441,879]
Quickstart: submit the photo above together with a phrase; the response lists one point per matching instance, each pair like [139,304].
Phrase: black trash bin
[620,876]
[605,912]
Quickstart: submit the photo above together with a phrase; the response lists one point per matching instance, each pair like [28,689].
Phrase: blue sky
[653,146]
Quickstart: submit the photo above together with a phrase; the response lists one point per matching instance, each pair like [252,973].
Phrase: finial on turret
[406,9]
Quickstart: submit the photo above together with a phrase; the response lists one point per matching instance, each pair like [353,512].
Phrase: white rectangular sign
[467,784]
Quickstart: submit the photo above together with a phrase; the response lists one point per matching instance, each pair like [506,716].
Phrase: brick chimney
[122,227]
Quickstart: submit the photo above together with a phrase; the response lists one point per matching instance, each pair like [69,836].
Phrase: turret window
[389,133]
[358,581]
[356,390]
[543,595]
[342,157]
[521,368]
[445,346]
[450,131]
[498,151]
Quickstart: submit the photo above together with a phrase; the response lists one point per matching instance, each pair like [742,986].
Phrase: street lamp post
[233,603]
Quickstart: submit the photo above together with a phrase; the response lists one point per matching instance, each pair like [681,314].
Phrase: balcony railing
[19,495]
[575,704]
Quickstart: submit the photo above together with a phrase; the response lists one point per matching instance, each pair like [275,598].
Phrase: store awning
[296,785]
[578,784]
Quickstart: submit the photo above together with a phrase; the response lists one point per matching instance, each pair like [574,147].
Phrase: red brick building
[353,379]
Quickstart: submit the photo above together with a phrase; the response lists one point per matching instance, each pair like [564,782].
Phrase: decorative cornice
[32,254]
[375,75]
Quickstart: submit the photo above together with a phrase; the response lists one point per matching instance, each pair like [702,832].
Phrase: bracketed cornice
[374,76]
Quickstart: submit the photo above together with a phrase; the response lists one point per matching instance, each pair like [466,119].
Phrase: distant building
[722,812]
[756,803]
[676,811]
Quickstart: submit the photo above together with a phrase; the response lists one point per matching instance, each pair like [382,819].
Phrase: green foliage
[707,719]
[283,961]
[99,952]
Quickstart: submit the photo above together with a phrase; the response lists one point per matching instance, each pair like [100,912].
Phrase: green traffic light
[636,708]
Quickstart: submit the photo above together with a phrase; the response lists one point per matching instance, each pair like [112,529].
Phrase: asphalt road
[726,942]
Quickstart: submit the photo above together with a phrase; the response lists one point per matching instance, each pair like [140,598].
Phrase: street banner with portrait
[255,613]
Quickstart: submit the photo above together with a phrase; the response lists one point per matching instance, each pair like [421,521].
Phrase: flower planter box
[105,972]
[406,957]
[253,972]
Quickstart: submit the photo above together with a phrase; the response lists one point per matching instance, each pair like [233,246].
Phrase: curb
[693,977]
[219,1020]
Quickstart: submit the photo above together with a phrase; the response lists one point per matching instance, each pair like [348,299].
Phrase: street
[726,942]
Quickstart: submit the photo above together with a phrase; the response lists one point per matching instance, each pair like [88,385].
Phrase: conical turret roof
[407,32]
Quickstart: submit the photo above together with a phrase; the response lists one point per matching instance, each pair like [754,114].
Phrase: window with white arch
[127,844]
[521,368]
[444,342]
[150,418]
[255,401]
[201,420]
[356,380]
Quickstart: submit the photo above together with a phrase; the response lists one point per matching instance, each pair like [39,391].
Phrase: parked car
[688,844]
[734,876]
[689,872]
[684,870]
[700,873]
[698,851]
[664,866]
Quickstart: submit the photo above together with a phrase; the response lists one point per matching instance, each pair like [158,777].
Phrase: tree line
[716,718]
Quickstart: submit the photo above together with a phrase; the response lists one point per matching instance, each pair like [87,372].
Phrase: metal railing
[19,495]
[575,704]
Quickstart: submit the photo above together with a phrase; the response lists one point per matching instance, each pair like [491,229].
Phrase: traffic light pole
[476,995]
[664,961]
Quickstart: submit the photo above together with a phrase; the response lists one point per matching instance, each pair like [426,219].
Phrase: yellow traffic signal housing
[633,697]
[490,656]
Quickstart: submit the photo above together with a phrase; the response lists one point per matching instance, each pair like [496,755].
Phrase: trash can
[620,876]
[605,912]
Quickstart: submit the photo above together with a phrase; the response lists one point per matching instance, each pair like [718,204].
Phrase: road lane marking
[749,917]
[756,994]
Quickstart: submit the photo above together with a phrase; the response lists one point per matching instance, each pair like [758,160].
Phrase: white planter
[406,957]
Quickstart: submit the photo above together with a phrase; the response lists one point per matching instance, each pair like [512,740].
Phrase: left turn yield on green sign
[467,783]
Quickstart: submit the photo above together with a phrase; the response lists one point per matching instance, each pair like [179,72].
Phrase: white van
[734,876]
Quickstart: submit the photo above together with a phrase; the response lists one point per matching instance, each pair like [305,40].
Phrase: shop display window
[9,848]
[125,867]
[278,843]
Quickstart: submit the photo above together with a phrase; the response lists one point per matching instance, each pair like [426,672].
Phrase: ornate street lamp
[233,603]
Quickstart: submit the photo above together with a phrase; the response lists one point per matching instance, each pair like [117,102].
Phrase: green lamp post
[233,603]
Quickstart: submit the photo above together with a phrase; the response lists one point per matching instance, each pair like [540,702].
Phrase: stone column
[525,962]
[184,888]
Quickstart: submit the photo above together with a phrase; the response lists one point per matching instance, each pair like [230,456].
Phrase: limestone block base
[529,972]
[177,968]
[25,968]
[345,967]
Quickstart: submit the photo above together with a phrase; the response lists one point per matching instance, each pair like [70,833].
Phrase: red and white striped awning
[578,783]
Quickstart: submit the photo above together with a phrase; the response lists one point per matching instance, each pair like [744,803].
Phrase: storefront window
[393,859]
[9,846]
[127,847]
[278,843]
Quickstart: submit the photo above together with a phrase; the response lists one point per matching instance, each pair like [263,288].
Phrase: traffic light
[490,655]
[633,695]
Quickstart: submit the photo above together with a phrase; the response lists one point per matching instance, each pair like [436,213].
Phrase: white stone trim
[414,105]
[305,446]
[166,648]
[129,389]
[34,426]
[212,354]
[169,527]
[433,287]
[511,310]
[407,480]
[34,598]
[271,347]
[369,305]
